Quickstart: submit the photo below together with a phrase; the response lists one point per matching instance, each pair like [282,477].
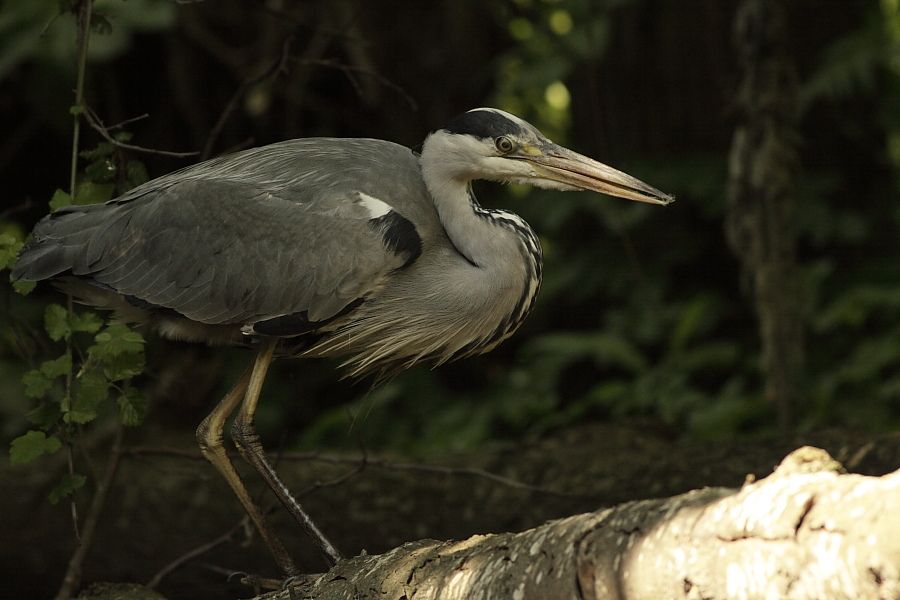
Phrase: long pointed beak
[572,169]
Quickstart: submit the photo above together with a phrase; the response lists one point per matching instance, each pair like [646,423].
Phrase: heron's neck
[503,249]
[471,234]
[474,231]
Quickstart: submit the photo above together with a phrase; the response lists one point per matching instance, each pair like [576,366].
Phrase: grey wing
[227,252]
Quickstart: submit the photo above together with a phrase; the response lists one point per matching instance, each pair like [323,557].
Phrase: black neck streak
[532,255]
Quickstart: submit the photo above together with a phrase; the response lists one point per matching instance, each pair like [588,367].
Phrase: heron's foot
[294,580]
[257,582]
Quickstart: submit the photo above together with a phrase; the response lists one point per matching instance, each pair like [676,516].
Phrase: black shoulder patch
[399,235]
[295,324]
[483,124]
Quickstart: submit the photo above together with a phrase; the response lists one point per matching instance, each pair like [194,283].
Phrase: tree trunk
[808,531]
[761,171]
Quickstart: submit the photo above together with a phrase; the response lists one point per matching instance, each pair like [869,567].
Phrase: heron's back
[302,226]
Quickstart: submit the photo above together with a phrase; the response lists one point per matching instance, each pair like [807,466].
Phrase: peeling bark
[808,531]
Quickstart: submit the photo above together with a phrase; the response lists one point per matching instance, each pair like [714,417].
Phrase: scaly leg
[247,441]
[209,436]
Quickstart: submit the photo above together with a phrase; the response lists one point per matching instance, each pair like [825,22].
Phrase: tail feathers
[58,243]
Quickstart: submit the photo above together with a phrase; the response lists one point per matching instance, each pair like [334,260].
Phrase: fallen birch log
[809,531]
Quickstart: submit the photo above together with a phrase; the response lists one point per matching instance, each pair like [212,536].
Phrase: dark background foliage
[644,312]
[645,316]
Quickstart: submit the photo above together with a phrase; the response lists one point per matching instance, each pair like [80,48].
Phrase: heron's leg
[209,437]
[247,441]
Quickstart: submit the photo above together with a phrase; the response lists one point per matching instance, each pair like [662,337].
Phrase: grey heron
[357,248]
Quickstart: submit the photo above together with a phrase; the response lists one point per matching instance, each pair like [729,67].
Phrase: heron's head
[487,143]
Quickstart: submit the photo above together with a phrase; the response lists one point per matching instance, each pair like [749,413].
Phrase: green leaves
[57,367]
[99,187]
[116,355]
[36,384]
[59,200]
[89,377]
[123,366]
[9,250]
[68,485]
[56,322]
[39,381]
[135,174]
[10,245]
[45,416]
[92,389]
[32,445]
[89,192]
[87,322]
[117,339]
[60,325]
[23,287]
[132,407]
[108,173]
[100,24]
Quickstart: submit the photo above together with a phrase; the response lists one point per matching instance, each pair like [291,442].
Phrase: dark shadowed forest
[670,348]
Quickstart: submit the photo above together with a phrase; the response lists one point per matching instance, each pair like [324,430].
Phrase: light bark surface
[808,531]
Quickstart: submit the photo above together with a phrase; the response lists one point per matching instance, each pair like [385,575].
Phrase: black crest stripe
[483,124]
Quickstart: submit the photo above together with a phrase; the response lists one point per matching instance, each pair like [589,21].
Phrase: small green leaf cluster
[10,245]
[106,174]
[72,393]
[9,249]
[91,377]
[116,356]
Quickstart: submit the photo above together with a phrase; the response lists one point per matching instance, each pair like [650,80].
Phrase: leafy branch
[90,377]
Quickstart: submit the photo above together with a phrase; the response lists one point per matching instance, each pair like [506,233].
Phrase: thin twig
[466,471]
[72,505]
[349,70]
[316,27]
[86,457]
[195,552]
[317,485]
[70,312]
[97,125]
[270,72]
[82,39]
[369,462]
[128,121]
[854,461]
[73,571]
[81,43]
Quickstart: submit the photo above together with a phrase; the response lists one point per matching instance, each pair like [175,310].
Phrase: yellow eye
[504,144]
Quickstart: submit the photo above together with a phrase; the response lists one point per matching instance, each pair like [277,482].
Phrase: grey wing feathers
[218,251]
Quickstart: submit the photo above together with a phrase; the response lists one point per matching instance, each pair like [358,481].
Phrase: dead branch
[351,71]
[97,125]
[200,550]
[808,531]
[73,571]
[360,463]
[270,72]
